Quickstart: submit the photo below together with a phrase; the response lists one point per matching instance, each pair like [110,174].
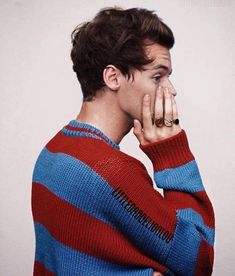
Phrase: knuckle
[168,112]
[159,95]
[158,115]
[148,135]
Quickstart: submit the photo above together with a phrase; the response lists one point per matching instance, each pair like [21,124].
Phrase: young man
[95,209]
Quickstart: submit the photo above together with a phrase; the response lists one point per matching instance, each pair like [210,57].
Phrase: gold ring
[159,122]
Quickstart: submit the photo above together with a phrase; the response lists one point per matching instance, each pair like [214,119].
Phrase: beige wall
[39,94]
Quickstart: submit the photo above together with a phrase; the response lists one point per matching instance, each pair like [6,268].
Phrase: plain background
[39,94]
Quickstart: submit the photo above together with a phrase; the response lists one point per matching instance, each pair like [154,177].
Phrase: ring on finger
[159,122]
[169,123]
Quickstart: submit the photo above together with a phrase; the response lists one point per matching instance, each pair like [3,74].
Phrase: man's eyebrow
[162,66]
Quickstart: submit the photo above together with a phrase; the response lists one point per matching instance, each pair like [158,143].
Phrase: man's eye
[157,78]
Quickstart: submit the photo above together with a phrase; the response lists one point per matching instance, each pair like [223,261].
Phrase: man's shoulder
[92,152]
[83,148]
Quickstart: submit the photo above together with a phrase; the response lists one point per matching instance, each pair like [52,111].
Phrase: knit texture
[96,212]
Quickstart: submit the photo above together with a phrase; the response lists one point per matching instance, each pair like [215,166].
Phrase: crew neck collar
[76,128]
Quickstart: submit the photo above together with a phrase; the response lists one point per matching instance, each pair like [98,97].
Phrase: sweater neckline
[76,128]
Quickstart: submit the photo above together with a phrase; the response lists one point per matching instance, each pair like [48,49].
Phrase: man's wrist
[170,152]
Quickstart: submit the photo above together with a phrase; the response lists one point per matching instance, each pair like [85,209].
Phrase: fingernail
[146,96]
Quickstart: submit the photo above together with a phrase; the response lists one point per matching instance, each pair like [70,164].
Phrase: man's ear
[111,76]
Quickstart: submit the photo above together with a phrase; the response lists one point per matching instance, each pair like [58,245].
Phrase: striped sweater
[96,212]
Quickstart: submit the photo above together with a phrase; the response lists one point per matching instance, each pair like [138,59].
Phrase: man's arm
[177,173]
[183,220]
[176,230]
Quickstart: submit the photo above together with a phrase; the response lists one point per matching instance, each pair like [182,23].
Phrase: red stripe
[193,200]
[83,232]
[114,166]
[205,259]
[40,270]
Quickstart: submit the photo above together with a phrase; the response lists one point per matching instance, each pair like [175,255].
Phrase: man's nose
[169,85]
[173,91]
[171,88]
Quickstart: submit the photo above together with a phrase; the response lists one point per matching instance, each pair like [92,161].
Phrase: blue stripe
[207,232]
[72,180]
[183,256]
[66,261]
[70,132]
[183,178]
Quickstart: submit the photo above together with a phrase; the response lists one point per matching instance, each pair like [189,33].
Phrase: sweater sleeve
[176,230]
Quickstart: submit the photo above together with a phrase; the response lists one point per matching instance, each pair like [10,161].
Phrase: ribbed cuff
[170,152]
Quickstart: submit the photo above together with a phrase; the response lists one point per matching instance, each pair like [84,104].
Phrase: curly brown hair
[115,36]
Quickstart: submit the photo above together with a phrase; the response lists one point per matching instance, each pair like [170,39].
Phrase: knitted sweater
[96,211]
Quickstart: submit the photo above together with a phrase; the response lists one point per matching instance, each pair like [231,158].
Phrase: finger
[158,109]
[146,113]
[168,104]
[138,131]
[174,108]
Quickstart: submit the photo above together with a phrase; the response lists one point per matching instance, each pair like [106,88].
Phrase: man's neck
[105,115]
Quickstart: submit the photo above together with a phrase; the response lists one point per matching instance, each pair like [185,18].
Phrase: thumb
[137,130]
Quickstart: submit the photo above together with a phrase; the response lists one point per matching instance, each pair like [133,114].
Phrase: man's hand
[150,132]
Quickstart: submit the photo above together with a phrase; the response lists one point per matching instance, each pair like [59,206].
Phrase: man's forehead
[160,55]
